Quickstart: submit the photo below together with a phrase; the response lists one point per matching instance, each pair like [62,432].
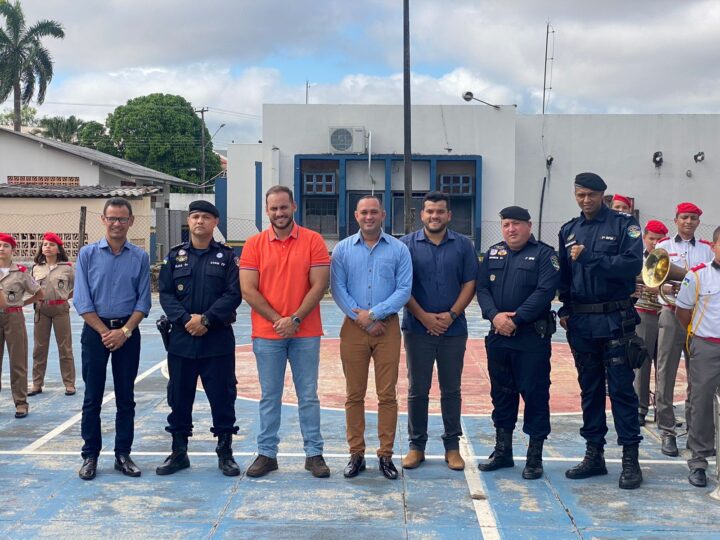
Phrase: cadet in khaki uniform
[15,281]
[56,276]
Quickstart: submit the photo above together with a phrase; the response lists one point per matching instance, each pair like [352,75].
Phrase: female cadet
[15,282]
[56,276]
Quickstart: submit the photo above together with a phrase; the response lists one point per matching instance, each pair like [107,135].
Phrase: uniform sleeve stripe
[319,264]
[249,268]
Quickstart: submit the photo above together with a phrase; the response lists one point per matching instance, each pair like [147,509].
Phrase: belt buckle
[115,323]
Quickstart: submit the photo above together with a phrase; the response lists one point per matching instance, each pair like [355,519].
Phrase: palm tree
[60,128]
[24,63]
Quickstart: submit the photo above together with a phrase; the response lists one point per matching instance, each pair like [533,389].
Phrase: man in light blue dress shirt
[112,294]
[371,279]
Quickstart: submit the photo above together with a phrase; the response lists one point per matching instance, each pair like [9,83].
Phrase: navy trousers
[592,373]
[516,373]
[218,379]
[125,363]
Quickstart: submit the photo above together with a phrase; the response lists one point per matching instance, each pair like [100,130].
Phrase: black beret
[590,181]
[515,212]
[204,206]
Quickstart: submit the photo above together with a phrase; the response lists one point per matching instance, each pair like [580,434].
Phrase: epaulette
[663,239]
[573,220]
[546,245]
[22,268]
[181,244]
[707,242]
[698,267]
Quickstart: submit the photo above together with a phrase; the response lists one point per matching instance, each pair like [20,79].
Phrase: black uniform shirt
[523,281]
[204,282]
[605,271]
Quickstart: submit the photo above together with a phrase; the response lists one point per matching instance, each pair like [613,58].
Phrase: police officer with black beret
[516,283]
[601,253]
[199,292]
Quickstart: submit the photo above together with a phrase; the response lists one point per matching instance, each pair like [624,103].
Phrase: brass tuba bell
[658,270]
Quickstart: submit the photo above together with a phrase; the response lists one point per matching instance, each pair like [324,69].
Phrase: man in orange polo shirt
[284,274]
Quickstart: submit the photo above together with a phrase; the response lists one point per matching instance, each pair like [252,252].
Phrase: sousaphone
[658,270]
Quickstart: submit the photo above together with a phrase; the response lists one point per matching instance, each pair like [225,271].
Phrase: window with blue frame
[459,187]
[320,183]
[456,184]
[321,215]
[398,217]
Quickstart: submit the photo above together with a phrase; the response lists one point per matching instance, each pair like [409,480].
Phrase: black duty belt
[604,307]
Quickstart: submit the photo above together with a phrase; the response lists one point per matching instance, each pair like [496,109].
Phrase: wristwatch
[296,320]
[205,321]
[126,331]
[372,315]
[453,315]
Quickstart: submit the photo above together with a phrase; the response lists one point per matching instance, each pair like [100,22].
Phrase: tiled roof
[107,161]
[76,192]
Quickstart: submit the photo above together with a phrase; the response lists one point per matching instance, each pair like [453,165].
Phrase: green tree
[28,116]
[62,128]
[162,131]
[94,135]
[25,64]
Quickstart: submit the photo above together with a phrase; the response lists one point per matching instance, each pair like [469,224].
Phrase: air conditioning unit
[348,140]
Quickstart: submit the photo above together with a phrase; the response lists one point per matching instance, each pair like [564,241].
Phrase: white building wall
[241,194]
[513,148]
[23,157]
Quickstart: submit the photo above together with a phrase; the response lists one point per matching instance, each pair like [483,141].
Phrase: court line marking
[478,492]
[75,419]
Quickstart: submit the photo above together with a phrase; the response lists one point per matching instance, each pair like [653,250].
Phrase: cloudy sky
[610,56]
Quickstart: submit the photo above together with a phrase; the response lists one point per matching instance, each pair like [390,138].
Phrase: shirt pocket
[495,270]
[181,278]
[527,274]
[385,269]
[606,248]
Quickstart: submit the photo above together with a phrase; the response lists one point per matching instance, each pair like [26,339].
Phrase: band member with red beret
[648,309]
[621,204]
[55,274]
[687,252]
[15,282]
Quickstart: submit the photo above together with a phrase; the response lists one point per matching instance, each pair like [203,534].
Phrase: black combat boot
[593,464]
[178,460]
[502,456]
[226,463]
[631,475]
[533,466]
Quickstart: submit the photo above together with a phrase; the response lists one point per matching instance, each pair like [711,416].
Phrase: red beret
[656,226]
[52,237]
[622,199]
[688,208]
[9,239]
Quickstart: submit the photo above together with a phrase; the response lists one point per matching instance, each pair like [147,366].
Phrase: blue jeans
[272,356]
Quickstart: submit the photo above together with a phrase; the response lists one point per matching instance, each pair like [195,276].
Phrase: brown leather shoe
[454,460]
[413,459]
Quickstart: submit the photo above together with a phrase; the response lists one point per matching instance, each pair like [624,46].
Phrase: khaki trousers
[356,349]
[670,346]
[705,377]
[12,332]
[56,317]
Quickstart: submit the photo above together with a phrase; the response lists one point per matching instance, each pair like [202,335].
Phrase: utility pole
[202,112]
[407,199]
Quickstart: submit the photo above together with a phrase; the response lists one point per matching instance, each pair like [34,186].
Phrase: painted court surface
[42,496]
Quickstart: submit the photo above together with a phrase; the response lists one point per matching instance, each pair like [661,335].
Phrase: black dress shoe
[669,446]
[35,392]
[388,468]
[125,465]
[355,466]
[88,469]
[641,419]
[698,478]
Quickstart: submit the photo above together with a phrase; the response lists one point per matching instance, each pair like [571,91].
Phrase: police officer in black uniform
[601,253]
[199,292]
[516,283]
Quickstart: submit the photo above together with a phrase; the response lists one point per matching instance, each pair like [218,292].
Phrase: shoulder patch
[555,262]
[698,267]
[22,268]
[706,242]
[634,231]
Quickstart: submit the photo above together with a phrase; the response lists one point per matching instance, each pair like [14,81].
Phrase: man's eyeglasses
[121,220]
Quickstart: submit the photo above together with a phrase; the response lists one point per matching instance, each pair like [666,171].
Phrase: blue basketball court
[42,495]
